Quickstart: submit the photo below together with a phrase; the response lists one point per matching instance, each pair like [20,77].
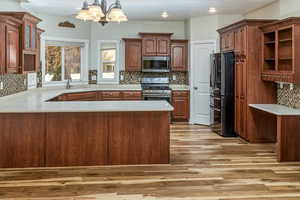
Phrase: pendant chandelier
[101,13]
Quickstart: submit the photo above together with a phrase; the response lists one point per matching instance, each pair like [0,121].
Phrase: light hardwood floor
[204,166]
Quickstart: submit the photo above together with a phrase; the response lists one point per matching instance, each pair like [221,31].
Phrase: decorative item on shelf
[66,24]
[101,13]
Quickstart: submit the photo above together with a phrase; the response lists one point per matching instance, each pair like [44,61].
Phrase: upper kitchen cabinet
[227,41]
[179,55]
[133,54]
[9,44]
[24,41]
[156,44]
[281,58]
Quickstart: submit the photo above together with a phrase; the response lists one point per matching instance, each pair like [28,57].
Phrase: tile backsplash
[135,77]
[13,83]
[289,97]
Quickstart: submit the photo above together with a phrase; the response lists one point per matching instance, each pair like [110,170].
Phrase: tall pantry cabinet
[244,38]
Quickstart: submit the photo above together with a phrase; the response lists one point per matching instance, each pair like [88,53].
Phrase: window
[62,63]
[108,62]
[63,60]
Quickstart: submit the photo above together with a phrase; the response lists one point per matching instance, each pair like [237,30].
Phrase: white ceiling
[151,9]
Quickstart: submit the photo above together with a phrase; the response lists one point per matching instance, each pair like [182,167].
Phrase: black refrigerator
[222,94]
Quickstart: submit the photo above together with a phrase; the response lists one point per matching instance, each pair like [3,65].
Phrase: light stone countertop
[180,87]
[276,109]
[34,101]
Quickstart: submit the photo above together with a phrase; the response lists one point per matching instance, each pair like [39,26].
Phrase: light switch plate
[122,77]
[1,85]
[94,78]
[31,80]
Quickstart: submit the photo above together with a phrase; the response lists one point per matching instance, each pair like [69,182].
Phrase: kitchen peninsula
[38,133]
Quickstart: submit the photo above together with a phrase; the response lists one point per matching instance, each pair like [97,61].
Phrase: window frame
[84,69]
[100,62]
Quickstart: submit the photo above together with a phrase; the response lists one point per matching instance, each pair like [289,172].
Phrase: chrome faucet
[68,86]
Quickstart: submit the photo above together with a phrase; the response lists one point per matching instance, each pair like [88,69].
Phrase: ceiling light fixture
[164,15]
[101,13]
[212,10]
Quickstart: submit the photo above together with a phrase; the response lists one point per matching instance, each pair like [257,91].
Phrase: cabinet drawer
[111,95]
[132,95]
[86,96]
[180,94]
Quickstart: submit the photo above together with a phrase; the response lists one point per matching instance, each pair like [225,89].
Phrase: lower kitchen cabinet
[181,104]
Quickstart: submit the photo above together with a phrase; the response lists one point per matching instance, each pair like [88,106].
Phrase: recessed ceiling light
[164,15]
[212,10]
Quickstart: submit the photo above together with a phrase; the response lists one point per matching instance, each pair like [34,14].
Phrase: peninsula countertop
[276,109]
[35,101]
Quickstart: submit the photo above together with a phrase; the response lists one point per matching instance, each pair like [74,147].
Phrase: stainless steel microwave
[156,64]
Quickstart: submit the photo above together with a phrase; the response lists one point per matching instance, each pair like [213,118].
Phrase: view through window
[62,63]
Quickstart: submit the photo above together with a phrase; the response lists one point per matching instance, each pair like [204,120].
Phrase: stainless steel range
[156,89]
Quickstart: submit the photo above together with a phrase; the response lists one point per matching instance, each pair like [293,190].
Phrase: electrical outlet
[1,85]
[174,77]
[94,78]
[122,77]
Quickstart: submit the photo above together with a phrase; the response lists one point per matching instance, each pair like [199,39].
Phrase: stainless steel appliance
[222,93]
[156,89]
[156,64]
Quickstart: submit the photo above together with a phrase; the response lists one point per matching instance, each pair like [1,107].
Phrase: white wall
[203,28]
[50,25]
[115,31]
[10,5]
[271,11]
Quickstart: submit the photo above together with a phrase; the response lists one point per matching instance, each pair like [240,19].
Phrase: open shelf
[285,34]
[269,51]
[285,65]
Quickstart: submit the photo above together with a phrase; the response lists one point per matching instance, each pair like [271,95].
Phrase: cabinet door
[149,46]
[230,41]
[237,98]
[128,95]
[223,42]
[163,46]
[12,49]
[133,55]
[181,104]
[179,56]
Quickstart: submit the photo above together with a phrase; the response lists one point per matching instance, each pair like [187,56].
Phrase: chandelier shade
[100,13]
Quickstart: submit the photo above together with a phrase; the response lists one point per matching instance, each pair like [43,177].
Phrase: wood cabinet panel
[163,46]
[2,48]
[132,95]
[179,55]
[76,139]
[22,140]
[156,44]
[132,141]
[83,96]
[12,49]
[149,46]
[111,96]
[133,55]
[181,104]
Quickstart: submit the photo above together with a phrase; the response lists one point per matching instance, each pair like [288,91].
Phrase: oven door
[156,64]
